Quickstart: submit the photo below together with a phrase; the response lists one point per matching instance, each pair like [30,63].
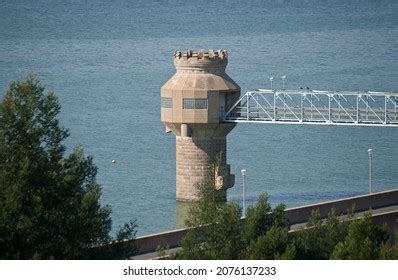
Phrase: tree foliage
[265,232]
[272,245]
[318,240]
[121,248]
[49,203]
[217,232]
[261,217]
[364,241]
[215,225]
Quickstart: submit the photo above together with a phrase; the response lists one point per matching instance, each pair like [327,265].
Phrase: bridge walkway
[365,108]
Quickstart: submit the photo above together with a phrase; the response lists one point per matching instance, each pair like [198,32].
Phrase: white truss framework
[368,108]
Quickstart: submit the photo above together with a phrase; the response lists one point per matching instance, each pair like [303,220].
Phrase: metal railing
[368,108]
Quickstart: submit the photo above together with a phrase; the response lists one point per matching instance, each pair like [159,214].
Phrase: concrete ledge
[150,242]
[341,206]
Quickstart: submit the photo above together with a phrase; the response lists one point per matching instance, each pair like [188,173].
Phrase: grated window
[189,103]
[167,102]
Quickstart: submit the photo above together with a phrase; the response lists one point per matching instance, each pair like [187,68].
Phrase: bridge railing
[316,107]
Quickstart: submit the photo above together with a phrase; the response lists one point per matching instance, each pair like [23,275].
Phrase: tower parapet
[193,104]
[201,61]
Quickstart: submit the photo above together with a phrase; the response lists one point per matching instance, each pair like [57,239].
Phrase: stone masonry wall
[194,156]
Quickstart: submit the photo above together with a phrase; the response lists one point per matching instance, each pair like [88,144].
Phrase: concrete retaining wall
[171,239]
[341,206]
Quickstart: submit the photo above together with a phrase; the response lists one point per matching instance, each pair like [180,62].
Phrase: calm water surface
[107,60]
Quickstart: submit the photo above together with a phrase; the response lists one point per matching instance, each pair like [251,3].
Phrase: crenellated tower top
[213,61]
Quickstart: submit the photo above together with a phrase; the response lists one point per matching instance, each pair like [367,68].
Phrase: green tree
[121,248]
[260,217]
[274,244]
[365,241]
[388,251]
[49,203]
[215,225]
[265,232]
[217,232]
[319,238]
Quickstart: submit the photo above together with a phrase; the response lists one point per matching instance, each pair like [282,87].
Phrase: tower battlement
[201,59]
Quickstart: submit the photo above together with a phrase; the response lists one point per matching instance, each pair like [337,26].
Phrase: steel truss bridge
[366,108]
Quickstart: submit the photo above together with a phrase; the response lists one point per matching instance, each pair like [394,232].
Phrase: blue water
[107,60]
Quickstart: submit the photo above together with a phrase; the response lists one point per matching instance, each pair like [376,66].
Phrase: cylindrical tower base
[194,157]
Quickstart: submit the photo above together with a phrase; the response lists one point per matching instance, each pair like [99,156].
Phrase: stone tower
[193,103]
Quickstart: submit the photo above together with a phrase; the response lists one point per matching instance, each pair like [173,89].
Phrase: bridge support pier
[194,157]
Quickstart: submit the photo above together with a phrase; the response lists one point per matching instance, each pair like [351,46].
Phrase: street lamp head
[271,78]
[283,77]
[370,151]
[243,172]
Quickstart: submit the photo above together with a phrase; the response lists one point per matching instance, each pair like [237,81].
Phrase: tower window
[166,102]
[190,103]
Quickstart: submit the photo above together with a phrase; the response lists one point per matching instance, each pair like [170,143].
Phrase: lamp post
[283,81]
[370,151]
[271,80]
[243,193]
